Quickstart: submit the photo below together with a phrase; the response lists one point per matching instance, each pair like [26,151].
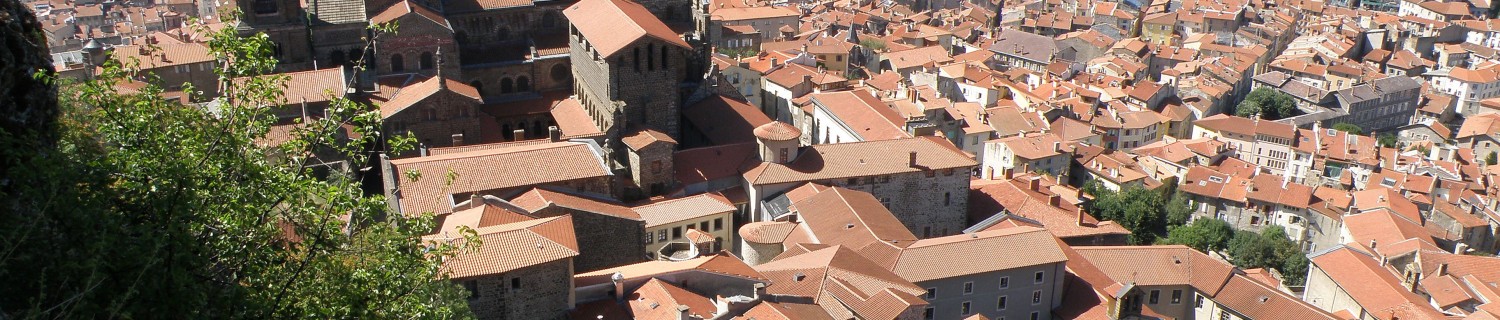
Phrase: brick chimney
[1080,216]
[518,134]
[1035,184]
[553,134]
[618,279]
[913,160]
[458,139]
[1054,200]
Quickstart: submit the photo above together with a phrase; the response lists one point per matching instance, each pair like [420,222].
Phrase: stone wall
[928,206]
[449,114]
[651,168]
[416,38]
[604,241]
[537,292]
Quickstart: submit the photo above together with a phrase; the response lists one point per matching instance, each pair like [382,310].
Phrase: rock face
[26,104]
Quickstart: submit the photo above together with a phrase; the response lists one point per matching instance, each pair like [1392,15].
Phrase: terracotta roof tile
[724,120]
[721,263]
[866,288]
[537,199]
[974,253]
[640,139]
[861,159]
[491,170]
[512,246]
[1160,266]
[612,25]
[413,93]
[713,163]
[675,210]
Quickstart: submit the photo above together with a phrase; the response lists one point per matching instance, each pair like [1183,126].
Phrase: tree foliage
[1348,127]
[1387,140]
[1268,103]
[1489,159]
[1143,211]
[1203,234]
[1271,248]
[150,208]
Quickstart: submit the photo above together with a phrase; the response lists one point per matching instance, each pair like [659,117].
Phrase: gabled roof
[855,219]
[512,246]
[974,253]
[538,199]
[414,93]
[658,299]
[1164,265]
[724,120]
[721,263]
[1372,286]
[676,210]
[612,25]
[405,7]
[439,177]
[312,86]
[861,159]
[841,274]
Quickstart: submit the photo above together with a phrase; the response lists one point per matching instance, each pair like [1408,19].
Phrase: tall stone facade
[416,46]
[604,241]
[540,292]
[636,86]
[284,23]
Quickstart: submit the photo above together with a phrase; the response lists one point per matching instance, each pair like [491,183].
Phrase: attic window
[798,277]
[1215,179]
[1332,132]
[1388,182]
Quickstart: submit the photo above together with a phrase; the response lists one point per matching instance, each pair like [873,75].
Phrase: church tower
[628,67]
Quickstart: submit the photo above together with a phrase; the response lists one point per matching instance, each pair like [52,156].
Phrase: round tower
[778,141]
[761,241]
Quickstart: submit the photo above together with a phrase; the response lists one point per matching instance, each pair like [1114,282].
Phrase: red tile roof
[721,263]
[864,287]
[414,93]
[861,159]
[612,25]
[974,253]
[1374,287]
[439,177]
[854,219]
[724,120]
[512,246]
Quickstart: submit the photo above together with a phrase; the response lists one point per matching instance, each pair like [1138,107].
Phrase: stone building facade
[543,291]
[284,23]
[604,240]
[447,116]
[423,35]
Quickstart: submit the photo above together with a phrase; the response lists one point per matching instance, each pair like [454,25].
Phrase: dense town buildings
[719,159]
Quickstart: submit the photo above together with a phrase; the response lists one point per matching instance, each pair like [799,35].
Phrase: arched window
[426,62]
[505,130]
[507,86]
[523,84]
[664,51]
[336,58]
[398,64]
[478,86]
[637,59]
[431,113]
[275,49]
[651,59]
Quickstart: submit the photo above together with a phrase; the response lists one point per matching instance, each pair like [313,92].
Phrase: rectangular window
[1000,304]
[968,287]
[1176,296]
[1036,297]
[661,235]
[1223,314]
[676,233]
[1155,296]
[703,226]
[963,308]
[1197,301]
[1038,277]
[927,313]
[515,283]
[931,293]
[718,224]
[1035,315]
[650,238]
[1004,282]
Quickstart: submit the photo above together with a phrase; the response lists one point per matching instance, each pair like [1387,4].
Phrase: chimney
[682,312]
[1054,200]
[475,200]
[518,134]
[1035,184]
[913,160]
[1080,216]
[553,134]
[1442,269]
[774,62]
[1372,244]
[618,280]
[1057,146]
[1009,173]
[807,78]
[458,139]
[760,291]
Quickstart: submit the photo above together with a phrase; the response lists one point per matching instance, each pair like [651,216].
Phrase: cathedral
[462,72]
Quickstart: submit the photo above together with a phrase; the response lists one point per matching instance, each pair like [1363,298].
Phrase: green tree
[1269,249]
[1490,158]
[1179,211]
[142,207]
[1348,127]
[1137,209]
[1203,234]
[1386,140]
[1269,103]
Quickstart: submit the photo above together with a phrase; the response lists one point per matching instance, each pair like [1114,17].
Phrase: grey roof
[327,12]
[1029,46]
[1375,89]
[1297,89]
